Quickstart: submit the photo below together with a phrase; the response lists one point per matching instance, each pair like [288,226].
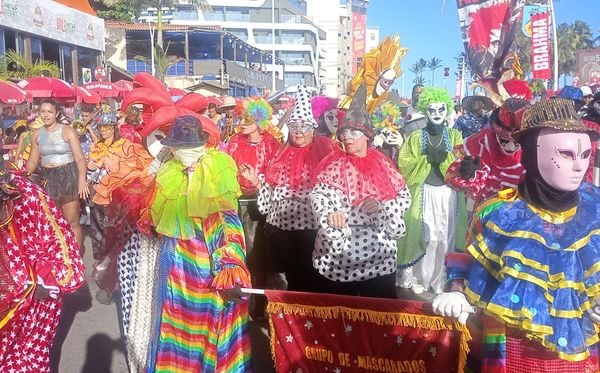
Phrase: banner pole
[555,42]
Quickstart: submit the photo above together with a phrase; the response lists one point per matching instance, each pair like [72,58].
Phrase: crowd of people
[302,195]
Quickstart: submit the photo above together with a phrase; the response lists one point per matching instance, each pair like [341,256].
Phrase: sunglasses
[350,134]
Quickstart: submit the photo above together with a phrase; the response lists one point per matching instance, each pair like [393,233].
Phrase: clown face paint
[385,82]
[331,120]
[437,112]
[563,158]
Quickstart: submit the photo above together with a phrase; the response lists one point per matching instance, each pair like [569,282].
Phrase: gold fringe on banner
[409,320]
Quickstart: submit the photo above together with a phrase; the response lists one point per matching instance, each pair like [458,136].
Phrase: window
[263,36]
[36,50]
[294,78]
[241,34]
[186,13]
[241,15]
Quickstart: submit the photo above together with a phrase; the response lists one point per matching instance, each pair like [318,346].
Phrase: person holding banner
[202,259]
[533,264]
[359,200]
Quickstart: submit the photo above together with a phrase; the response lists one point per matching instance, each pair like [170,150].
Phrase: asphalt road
[88,339]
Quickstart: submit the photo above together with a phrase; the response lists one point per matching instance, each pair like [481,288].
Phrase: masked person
[533,263]
[492,159]
[40,263]
[202,259]
[253,146]
[284,197]
[435,221]
[359,200]
[474,119]
[326,113]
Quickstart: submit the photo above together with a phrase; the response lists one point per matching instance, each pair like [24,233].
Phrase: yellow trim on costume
[536,237]
[554,217]
[63,243]
[9,315]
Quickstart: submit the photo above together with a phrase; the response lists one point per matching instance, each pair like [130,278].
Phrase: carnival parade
[251,186]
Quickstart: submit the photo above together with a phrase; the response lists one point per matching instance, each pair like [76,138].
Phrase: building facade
[73,38]
[268,25]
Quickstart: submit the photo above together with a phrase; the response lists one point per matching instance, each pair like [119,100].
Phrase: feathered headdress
[322,104]
[388,115]
[379,68]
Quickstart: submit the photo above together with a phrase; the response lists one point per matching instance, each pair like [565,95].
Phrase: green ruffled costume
[215,189]
[413,165]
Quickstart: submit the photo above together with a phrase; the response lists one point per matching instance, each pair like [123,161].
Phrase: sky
[430,28]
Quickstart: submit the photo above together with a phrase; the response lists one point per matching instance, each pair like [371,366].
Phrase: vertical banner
[343,334]
[540,46]
[528,10]
[489,29]
[359,38]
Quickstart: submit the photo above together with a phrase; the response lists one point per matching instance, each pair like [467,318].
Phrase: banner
[489,30]
[359,39]
[540,46]
[588,66]
[343,334]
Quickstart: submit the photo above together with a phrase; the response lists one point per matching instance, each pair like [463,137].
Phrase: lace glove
[452,304]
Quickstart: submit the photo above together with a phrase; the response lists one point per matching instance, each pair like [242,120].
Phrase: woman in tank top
[62,164]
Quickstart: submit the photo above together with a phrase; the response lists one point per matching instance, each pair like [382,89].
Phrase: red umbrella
[124,85]
[47,87]
[11,93]
[104,89]
[86,96]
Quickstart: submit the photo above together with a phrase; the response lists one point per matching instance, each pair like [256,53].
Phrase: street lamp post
[151,29]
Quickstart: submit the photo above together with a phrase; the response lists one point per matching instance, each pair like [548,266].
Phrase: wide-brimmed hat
[468,102]
[186,132]
[555,113]
[228,103]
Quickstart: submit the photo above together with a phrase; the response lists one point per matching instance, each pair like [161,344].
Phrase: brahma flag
[489,29]
[343,334]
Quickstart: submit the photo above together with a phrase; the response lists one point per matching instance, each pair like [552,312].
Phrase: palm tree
[433,64]
[417,69]
[15,65]
[419,80]
[572,37]
[162,61]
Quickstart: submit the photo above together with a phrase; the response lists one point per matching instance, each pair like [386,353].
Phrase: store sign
[54,21]
[86,75]
[100,73]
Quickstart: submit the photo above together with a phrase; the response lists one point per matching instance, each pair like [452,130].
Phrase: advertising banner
[528,10]
[541,66]
[53,20]
[588,66]
[359,39]
[334,333]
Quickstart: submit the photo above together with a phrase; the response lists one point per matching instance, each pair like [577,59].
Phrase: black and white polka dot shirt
[286,209]
[367,247]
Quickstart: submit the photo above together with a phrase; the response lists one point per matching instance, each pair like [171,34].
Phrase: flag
[343,334]
[489,30]
[540,46]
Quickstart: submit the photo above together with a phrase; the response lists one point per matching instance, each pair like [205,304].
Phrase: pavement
[89,341]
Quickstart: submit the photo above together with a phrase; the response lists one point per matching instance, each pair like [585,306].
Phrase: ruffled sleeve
[263,198]
[229,257]
[412,163]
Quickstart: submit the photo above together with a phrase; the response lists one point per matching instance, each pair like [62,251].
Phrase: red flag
[540,46]
[489,30]
[343,334]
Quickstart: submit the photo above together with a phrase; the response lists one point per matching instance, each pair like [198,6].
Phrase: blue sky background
[428,30]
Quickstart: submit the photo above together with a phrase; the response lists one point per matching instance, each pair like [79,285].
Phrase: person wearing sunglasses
[359,200]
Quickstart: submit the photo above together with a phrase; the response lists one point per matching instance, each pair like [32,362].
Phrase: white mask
[331,120]
[385,82]
[153,142]
[563,158]
[507,144]
[437,112]
[189,156]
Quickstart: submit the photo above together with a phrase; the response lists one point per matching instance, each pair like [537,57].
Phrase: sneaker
[417,289]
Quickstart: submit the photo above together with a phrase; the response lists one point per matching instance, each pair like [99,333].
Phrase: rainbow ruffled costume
[538,273]
[202,252]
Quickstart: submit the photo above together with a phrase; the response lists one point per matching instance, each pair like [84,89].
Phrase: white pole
[273,85]
[555,42]
[151,29]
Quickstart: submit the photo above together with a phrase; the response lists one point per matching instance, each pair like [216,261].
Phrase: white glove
[378,140]
[395,138]
[594,312]
[452,304]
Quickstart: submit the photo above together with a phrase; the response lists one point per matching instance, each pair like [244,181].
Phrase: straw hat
[228,103]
